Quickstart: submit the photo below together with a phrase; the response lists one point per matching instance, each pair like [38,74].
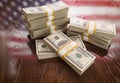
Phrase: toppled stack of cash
[43,20]
[99,34]
[44,52]
[71,52]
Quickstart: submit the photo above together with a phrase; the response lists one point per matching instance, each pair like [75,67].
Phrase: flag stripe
[95,17]
[92,3]
[94,10]
[19,39]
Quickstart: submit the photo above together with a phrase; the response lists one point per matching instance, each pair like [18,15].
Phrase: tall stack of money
[46,19]
[99,34]
[44,52]
[72,53]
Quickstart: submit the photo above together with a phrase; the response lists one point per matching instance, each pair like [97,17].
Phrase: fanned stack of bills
[99,34]
[43,20]
[44,52]
[71,52]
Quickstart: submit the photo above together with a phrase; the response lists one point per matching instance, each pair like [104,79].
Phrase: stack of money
[44,52]
[71,52]
[99,34]
[46,19]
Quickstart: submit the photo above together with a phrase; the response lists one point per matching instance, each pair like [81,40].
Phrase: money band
[69,51]
[50,18]
[50,25]
[52,29]
[61,47]
[67,48]
[85,38]
[91,27]
[85,34]
[48,10]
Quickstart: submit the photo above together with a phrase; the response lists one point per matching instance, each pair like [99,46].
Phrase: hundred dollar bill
[105,30]
[44,52]
[58,9]
[74,55]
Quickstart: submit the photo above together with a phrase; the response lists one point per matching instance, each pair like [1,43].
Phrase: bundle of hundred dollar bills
[99,34]
[46,19]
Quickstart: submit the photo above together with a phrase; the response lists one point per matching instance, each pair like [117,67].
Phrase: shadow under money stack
[43,20]
[99,34]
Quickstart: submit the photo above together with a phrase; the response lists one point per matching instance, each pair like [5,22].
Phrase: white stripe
[26,53]
[15,33]
[91,10]
[18,33]
[17,45]
[116,22]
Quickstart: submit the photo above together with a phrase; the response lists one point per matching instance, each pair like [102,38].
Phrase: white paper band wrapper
[91,27]
[85,38]
[52,29]
[51,26]
[49,11]
[66,49]
[50,18]
[49,23]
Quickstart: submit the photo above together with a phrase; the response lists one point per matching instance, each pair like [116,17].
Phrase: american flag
[17,35]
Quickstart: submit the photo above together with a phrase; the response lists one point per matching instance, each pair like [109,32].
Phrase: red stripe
[19,39]
[92,3]
[101,17]
[118,29]
[18,49]
[29,57]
